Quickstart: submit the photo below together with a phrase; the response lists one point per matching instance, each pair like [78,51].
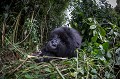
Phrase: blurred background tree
[28,22]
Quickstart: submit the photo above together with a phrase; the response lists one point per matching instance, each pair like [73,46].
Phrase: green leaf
[92,26]
[81,70]
[117,34]
[94,39]
[29,76]
[75,24]
[102,58]
[109,55]
[105,46]
[102,31]
[47,70]
[95,52]
[94,32]
[94,71]
[101,47]
[74,74]
[67,63]
[107,74]
[90,19]
[114,26]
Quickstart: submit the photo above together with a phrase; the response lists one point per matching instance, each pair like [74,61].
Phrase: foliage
[99,26]
[27,23]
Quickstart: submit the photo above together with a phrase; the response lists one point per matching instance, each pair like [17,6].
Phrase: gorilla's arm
[45,56]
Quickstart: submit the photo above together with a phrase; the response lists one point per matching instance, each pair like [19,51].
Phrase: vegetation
[25,24]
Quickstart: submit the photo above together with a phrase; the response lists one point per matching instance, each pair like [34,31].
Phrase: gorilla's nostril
[54,43]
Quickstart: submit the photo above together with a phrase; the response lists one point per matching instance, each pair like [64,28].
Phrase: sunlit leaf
[29,76]
[117,34]
[109,54]
[92,26]
[74,74]
[107,74]
[114,26]
[90,19]
[102,58]
[47,70]
[94,71]
[81,70]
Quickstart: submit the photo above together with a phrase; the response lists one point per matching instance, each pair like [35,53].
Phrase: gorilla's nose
[54,43]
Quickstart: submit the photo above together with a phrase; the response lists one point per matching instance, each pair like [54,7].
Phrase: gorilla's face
[56,44]
[53,43]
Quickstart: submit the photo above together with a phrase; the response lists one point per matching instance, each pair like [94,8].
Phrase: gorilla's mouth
[53,46]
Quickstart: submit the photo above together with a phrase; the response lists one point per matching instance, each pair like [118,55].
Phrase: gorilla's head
[63,41]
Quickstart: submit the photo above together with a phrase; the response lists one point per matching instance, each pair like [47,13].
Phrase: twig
[58,71]
[16,27]
[117,73]
[30,56]
[3,34]
[77,65]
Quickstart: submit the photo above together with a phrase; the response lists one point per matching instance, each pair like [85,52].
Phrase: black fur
[62,43]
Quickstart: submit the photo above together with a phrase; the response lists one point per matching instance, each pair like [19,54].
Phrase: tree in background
[28,22]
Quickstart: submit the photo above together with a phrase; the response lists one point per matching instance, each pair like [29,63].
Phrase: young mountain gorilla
[62,43]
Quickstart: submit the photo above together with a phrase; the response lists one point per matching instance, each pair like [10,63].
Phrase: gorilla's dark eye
[59,36]
[55,42]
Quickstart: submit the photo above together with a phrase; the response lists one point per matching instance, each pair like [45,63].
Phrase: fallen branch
[30,56]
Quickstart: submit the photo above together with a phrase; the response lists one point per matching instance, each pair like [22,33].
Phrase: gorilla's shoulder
[69,33]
